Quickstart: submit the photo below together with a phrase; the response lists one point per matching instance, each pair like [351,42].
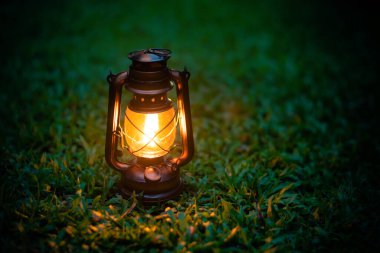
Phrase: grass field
[283,102]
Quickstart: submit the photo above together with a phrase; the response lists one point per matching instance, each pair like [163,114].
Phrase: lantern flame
[151,128]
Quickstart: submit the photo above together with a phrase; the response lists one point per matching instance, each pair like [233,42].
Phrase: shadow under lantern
[149,126]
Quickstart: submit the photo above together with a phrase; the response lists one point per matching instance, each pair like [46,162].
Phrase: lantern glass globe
[150,135]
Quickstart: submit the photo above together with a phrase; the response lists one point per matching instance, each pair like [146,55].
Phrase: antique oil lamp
[150,123]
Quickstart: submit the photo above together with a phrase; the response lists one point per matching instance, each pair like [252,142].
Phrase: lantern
[149,129]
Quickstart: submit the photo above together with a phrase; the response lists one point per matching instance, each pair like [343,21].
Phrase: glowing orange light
[150,135]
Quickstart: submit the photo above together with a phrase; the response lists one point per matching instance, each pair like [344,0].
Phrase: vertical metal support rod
[116,83]
[182,87]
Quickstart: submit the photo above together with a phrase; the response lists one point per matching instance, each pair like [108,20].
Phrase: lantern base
[152,198]
[152,183]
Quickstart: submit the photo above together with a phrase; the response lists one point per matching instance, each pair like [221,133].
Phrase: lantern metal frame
[153,179]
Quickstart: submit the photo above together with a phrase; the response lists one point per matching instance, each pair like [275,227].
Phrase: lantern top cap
[150,55]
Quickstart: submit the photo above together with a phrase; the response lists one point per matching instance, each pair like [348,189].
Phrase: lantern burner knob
[152,174]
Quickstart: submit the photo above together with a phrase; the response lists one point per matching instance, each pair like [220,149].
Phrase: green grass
[283,105]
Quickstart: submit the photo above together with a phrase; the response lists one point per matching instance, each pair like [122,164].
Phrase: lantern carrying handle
[181,79]
[116,83]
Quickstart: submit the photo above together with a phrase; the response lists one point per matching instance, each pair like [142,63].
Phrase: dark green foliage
[283,111]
